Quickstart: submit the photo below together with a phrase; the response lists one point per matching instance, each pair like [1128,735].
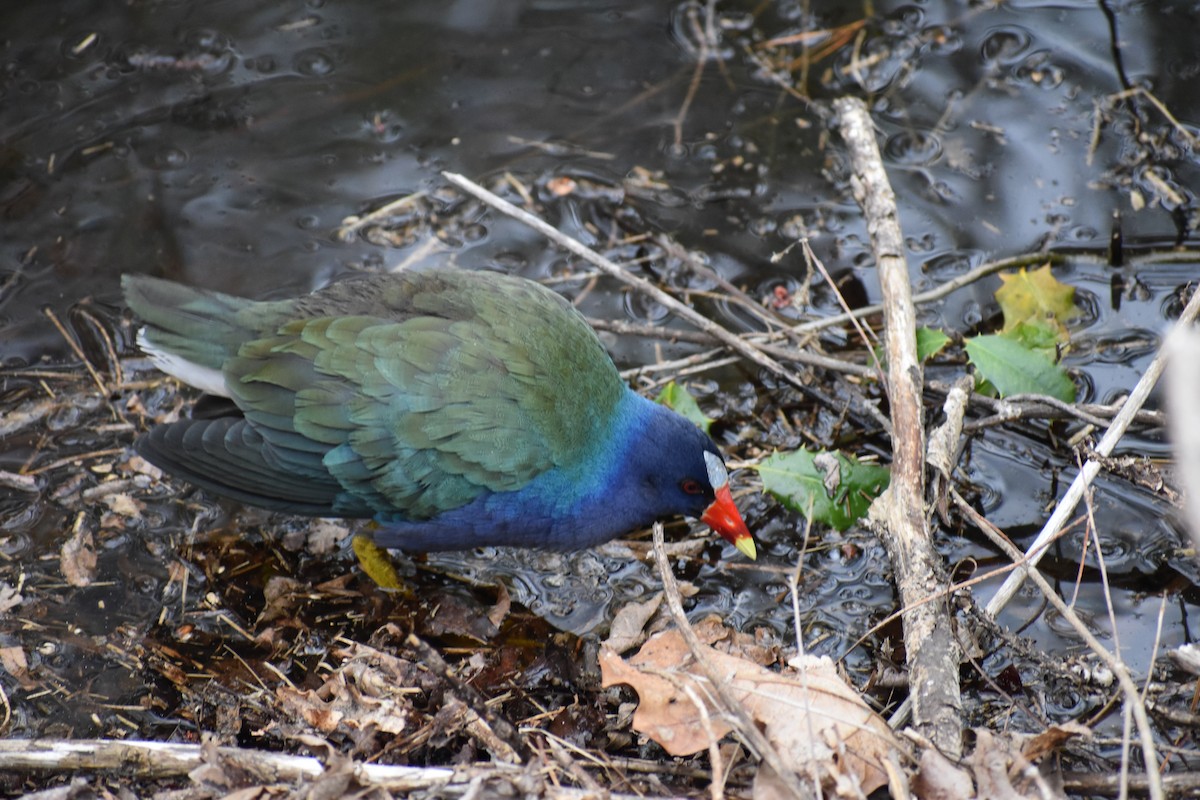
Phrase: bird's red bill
[723,517]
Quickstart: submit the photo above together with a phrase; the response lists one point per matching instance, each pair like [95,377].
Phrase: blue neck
[569,507]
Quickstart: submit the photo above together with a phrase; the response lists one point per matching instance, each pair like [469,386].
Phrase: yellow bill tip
[746,545]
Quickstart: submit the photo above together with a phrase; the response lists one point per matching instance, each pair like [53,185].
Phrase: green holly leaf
[828,486]
[676,398]
[1035,336]
[930,342]
[1014,369]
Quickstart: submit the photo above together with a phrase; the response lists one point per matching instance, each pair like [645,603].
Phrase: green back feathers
[414,392]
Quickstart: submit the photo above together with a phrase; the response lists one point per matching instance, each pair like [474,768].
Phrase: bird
[454,408]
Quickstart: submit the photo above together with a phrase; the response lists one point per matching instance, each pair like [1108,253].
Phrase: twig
[947,288]
[352,224]
[805,357]
[680,310]
[697,74]
[77,350]
[171,760]
[1091,467]
[1177,784]
[730,292]
[1133,698]
[868,340]
[503,740]
[168,759]
[743,724]
[1183,387]
[932,651]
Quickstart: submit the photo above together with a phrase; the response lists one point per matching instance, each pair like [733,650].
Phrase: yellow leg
[376,562]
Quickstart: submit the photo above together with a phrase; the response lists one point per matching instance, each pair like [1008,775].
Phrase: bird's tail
[190,333]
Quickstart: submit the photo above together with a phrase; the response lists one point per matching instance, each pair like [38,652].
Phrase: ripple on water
[1005,45]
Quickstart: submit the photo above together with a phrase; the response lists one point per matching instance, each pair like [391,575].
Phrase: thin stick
[353,224]
[1085,476]
[949,287]
[742,722]
[697,74]
[77,350]
[680,310]
[1133,698]
[808,359]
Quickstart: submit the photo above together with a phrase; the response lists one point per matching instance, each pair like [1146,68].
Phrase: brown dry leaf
[282,595]
[499,612]
[938,779]
[1053,738]
[814,719]
[124,505]
[14,662]
[309,706]
[992,764]
[10,598]
[628,628]
[367,692]
[759,647]
[453,615]
[77,559]
[143,467]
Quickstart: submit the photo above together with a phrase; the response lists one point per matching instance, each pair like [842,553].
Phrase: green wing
[454,384]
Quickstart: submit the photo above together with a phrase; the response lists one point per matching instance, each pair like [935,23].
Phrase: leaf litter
[236,628]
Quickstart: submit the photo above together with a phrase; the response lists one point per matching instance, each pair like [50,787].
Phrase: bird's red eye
[690,486]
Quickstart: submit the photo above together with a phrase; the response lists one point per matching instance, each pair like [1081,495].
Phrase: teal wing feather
[451,385]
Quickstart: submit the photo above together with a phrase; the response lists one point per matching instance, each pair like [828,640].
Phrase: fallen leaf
[812,717]
[831,487]
[990,762]
[679,400]
[308,705]
[450,615]
[15,663]
[1053,738]
[761,647]
[1015,369]
[499,612]
[142,466]
[77,559]
[938,779]
[628,628]
[124,505]
[10,598]
[283,595]
[371,691]
[1036,296]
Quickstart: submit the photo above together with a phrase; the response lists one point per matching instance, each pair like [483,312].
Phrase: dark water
[222,144]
